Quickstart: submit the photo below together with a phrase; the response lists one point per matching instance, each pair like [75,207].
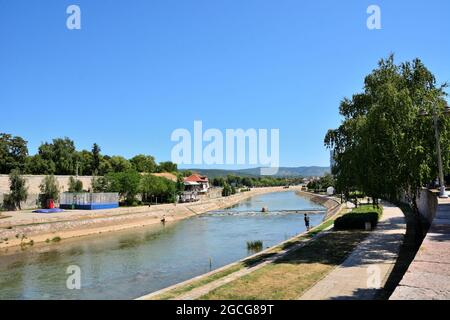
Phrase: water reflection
[132,263]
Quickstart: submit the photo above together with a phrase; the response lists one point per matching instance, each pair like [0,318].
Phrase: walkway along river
[131,263]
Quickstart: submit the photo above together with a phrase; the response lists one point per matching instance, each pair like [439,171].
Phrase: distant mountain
[256,172]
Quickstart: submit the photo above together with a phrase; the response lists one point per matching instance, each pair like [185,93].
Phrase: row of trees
[49,188]
[131,183]
[61,157]
[385,146]
[322,182]
[254,182]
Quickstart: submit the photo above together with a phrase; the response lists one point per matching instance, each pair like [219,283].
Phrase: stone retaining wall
[112,219]
[427,203]
[33,182]
[428,276]
[333,206]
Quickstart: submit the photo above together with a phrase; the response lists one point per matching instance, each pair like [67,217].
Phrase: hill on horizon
[311,171]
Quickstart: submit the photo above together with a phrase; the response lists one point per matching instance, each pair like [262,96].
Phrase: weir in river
[131,263]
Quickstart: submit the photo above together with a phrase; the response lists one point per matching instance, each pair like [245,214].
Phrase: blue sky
[139,69]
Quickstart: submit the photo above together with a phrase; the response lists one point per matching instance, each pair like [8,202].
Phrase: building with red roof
[197,183]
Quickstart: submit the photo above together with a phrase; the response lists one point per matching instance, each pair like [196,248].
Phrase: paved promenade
[366,270]
[428,276]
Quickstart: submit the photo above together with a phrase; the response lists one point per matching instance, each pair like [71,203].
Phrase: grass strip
[196,284]
[290,276]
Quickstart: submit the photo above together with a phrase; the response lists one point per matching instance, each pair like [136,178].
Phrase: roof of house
[196,178]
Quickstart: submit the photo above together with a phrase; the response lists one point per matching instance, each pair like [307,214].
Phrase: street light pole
[442,192]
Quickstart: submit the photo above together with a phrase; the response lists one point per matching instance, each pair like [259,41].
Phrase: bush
[159,188]
[255,245]
[126,184]
[8,203]
[18,188]
[75,185]
[100,184]
[49,190]
[356,220]
[226,191]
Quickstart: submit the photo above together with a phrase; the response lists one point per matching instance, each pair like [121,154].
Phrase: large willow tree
[385,146]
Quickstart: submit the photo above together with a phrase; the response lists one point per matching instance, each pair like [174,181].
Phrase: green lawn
[287,278]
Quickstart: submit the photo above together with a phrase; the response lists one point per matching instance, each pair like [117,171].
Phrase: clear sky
[137,70]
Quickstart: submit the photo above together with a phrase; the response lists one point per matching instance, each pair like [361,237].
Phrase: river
[135,262]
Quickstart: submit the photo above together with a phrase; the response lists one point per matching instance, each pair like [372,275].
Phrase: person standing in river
[306,222]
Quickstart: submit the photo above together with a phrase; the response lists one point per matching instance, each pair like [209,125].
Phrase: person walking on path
[306,222]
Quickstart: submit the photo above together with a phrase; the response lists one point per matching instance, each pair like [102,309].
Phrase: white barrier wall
[33,182]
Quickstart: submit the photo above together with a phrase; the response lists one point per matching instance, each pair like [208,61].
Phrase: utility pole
[442,191]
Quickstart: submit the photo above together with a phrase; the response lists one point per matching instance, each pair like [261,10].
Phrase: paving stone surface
[428,276]
[362,275]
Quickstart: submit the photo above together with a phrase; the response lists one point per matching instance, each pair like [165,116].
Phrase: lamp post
[442,192]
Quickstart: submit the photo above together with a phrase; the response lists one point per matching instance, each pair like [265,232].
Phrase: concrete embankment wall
[83,223]
[33,182]
[428,276]
[427,203]
[333,206]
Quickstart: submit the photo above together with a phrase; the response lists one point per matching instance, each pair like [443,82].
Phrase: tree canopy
[13,153]
[384,146]
[60,157]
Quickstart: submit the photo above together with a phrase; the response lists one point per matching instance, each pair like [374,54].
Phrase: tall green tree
[38,165]
[384,147]
[96,158]
[13,153]
[167,166]
[143,163]
[151,186]
[84,162]
[126,183]
[18,189]
[49,189]
[60,154]
[119,164]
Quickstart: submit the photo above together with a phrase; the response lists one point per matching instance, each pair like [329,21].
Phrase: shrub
[49,190]
[100,184]
[255,246]
[163,189]
[8,203]
[226,191]
[19,190]
[75,185]
[126,184]
[356,220]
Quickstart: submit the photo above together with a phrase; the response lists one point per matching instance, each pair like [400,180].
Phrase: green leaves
[49,189]
[13,153]
[18,188]
[75,185]
[383,146]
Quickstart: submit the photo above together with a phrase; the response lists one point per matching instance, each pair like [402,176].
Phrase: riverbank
[319,264]
[24,228]
[201,285]
[364,273]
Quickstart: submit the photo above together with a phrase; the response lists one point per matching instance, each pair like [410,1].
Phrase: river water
[132,263]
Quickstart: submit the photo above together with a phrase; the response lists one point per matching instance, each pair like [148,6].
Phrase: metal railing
[68,198]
